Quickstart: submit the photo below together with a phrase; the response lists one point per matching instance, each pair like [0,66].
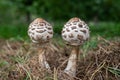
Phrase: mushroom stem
[42,59]
[72,62]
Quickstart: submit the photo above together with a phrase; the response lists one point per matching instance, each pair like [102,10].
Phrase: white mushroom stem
[42,59]
[72,62]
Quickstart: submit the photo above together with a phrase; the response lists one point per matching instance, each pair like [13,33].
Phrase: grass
[12,31]
[91,44]
[104,29]
[3,63]
[114,71]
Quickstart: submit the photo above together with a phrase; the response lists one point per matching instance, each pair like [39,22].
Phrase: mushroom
[40,32]
[75,32]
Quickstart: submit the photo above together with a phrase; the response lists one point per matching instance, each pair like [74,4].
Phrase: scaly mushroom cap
[40,31]
[75,32]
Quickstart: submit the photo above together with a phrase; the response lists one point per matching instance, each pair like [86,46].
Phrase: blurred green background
[102,16]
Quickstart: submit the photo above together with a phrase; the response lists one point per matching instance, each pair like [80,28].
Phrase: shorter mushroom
[40,32]
[75,32]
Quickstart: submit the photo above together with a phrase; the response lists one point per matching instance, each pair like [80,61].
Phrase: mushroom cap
[40,31]
[75,32]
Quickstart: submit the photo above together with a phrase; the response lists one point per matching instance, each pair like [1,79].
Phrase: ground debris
[20,61]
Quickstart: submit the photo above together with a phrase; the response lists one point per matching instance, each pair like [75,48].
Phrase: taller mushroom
[75,32]
[40,32]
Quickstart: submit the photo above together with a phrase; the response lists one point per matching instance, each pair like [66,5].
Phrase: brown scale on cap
[80,25]
[84,31]
[33,33]
[71,36]
[48,38]
[73,27]
[49,28]
[42,24]
[75,19]
[63,31]
[33,28]
[64,36]
[39,20]
[50,32]
[76,30]
[67,30]
[80,37]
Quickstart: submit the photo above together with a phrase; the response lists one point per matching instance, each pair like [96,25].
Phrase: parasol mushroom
[40,32]
[75,32]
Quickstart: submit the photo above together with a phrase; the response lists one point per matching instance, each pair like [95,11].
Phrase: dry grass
[19,61]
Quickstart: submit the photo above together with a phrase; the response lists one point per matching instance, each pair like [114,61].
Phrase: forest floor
[19,61]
